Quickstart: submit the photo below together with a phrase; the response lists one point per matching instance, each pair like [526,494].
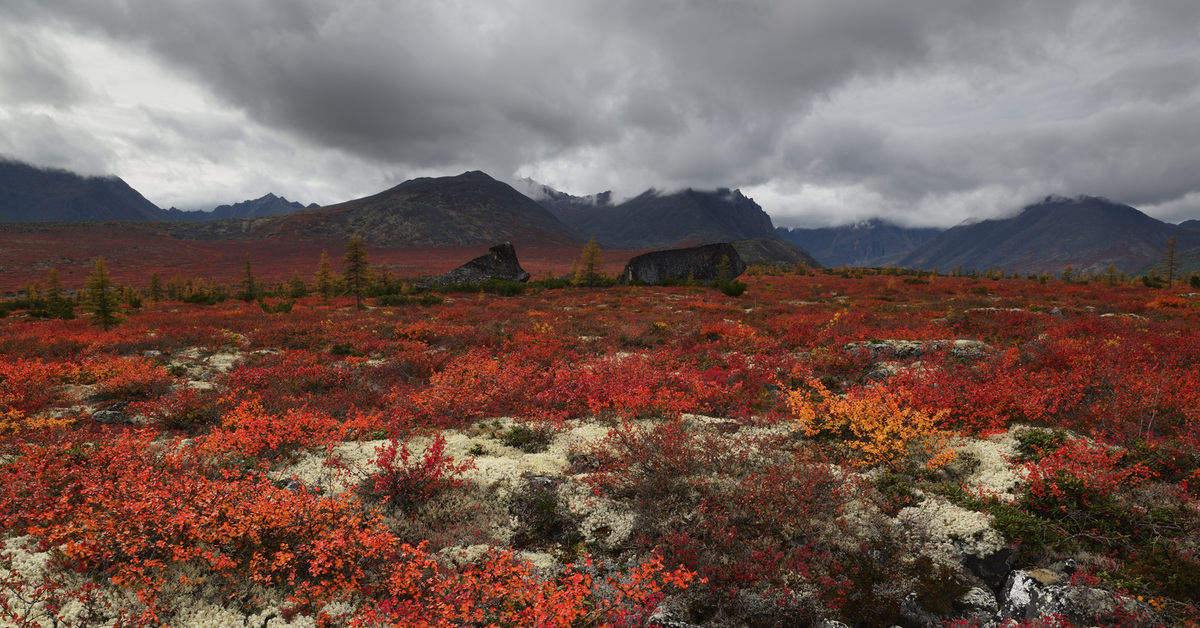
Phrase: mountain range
[655,220]
[1085,232]
[868,243]
[29,194]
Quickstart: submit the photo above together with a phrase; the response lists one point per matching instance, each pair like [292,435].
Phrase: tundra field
[874,447]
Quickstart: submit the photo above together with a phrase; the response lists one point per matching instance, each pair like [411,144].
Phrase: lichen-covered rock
[908,349]
[701,263]
[500,262]
[950,529]
[977,603]
[111,417]
[1025,598]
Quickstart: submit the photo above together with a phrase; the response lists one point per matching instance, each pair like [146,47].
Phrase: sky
[826,112]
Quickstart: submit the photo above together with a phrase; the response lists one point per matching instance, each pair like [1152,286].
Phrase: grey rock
[151,353]
[977,603]
[1026,598]
[915,614]
[829,623]
[111,417]
[969,348]
[699,263]
[992,569]
[666,619]
[907,349]
[500,262]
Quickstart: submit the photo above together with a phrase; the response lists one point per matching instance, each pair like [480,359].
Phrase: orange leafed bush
[875,424]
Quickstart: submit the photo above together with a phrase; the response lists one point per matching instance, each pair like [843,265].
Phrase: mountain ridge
[1085,232]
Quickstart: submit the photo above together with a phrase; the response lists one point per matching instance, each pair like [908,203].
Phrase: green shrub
[1034,444]
[732,288]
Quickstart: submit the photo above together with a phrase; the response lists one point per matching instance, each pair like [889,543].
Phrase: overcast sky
[927,112]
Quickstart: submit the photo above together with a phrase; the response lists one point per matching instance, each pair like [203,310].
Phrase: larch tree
[249,283]
[156,287]
[356,269]
[1169,262]
[323,282]
[587,269]
[102,297]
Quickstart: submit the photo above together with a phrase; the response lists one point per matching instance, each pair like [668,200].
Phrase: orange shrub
[875,424]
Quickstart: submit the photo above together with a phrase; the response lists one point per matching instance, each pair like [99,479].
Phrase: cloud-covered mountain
[29,194]
[657,220]
[867,243]
[1085,232]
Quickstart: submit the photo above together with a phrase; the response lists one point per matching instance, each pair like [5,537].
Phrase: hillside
[1085,232]
[867,243]
[30,194]
[468,209]
[657,220]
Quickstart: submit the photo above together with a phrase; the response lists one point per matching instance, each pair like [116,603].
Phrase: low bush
[404,481]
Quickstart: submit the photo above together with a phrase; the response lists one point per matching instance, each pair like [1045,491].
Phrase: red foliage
[407,482]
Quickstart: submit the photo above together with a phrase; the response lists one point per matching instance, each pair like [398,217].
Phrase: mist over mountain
[659,220]
[1085,232]
[868,243]
[30,194]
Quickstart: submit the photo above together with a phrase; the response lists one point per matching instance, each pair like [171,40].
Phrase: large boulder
[1027,597]
[500,262]
[701,263]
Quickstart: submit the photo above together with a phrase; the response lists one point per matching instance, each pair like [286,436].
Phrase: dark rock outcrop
[500,262]
[701,263]
[772,252]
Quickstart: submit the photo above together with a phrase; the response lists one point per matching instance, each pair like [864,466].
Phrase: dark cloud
[926,111]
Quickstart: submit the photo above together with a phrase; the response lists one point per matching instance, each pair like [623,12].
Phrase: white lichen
[995,474]
[940,529]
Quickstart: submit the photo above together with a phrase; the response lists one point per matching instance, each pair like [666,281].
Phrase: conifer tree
[323,283]
[156,288]
[1168,260]
[101,297]
[356,269]
[587,270]
[53,285]
[249,283]
[296,286]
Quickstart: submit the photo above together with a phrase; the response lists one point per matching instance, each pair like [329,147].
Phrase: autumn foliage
[755,448]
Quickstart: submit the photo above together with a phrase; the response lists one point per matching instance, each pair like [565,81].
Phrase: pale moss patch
[602,521]
[994,475]
[941,528]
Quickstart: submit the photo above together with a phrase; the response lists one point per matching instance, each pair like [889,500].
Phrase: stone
[663,618]
[110,417]
[700,263]
[993,569]
[969,348]
[977,603]
[1025,598]
[500,262]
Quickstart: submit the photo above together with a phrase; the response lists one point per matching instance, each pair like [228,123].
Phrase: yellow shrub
[874,424]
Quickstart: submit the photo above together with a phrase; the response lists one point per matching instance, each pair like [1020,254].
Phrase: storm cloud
[825,111]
